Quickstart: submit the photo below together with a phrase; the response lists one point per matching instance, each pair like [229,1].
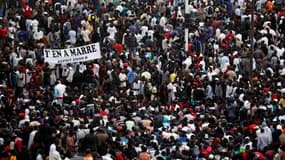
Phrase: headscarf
[53,153]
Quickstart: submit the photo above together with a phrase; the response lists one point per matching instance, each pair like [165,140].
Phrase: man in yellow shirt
[172,77]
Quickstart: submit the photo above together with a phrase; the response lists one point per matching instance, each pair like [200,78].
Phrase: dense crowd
[150,96]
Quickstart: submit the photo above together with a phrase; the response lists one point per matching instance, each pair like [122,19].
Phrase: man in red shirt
[3,34]
[28,11]
[118,47]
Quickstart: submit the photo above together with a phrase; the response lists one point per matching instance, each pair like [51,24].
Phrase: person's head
[144,149]
[71,132]
[261,130]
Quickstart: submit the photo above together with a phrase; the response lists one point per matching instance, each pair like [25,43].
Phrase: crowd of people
[150,96]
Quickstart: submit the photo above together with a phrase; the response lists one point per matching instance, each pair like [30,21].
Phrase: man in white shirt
[144,30]
[229,90]
[224,61]
[123,78]
[171,92]
[96,68]
[112,30]
[59,90]
[28,24]
[31,138]
[82,67]
[187,62]
[236,62]
[38,35]
[21,81]
[153,21]
[70,73]
[163,21]
[12,30]
[85,35]
[72,37]
[14,58]
[35,25]
[71,3]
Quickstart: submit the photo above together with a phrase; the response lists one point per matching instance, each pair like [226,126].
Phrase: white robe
[31,139]
[53,153]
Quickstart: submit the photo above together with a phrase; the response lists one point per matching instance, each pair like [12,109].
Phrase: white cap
[279,127]
[211,156]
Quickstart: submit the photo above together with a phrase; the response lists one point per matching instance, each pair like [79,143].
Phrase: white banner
[73,55]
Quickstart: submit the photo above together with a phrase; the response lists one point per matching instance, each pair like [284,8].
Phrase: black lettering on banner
[83,49]
[56,53]
[72,52]
[88,49]
[78,51]
[78,59]
[47,53]
[94,49]
[64,60]
[65,53]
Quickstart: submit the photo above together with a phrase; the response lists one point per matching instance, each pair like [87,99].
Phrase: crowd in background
[149,97]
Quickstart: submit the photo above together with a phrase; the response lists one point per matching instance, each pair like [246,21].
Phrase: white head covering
[53,153]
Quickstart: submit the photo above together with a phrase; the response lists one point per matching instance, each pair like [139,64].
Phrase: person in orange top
[144,155]
[269,5]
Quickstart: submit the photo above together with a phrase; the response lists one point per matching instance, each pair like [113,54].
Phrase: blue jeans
[1,12]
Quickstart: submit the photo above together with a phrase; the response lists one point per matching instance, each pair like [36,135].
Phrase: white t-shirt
[123,78]
[112,31]
[136,88]
[138,37]
[60,89]
[96,69]
[21,79]
[144,30]
[50,19]
[153,21]
[119,8]
[236,63]
[70,73]
[35,24]
[82,68]
[72,36]
[63,8]
[38,35]
[171,91]
[11,32]
[150,33]
[229,91]
[28,24]
[13,59]
[163,21]
[72,3]
[85,35]
[187,62]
